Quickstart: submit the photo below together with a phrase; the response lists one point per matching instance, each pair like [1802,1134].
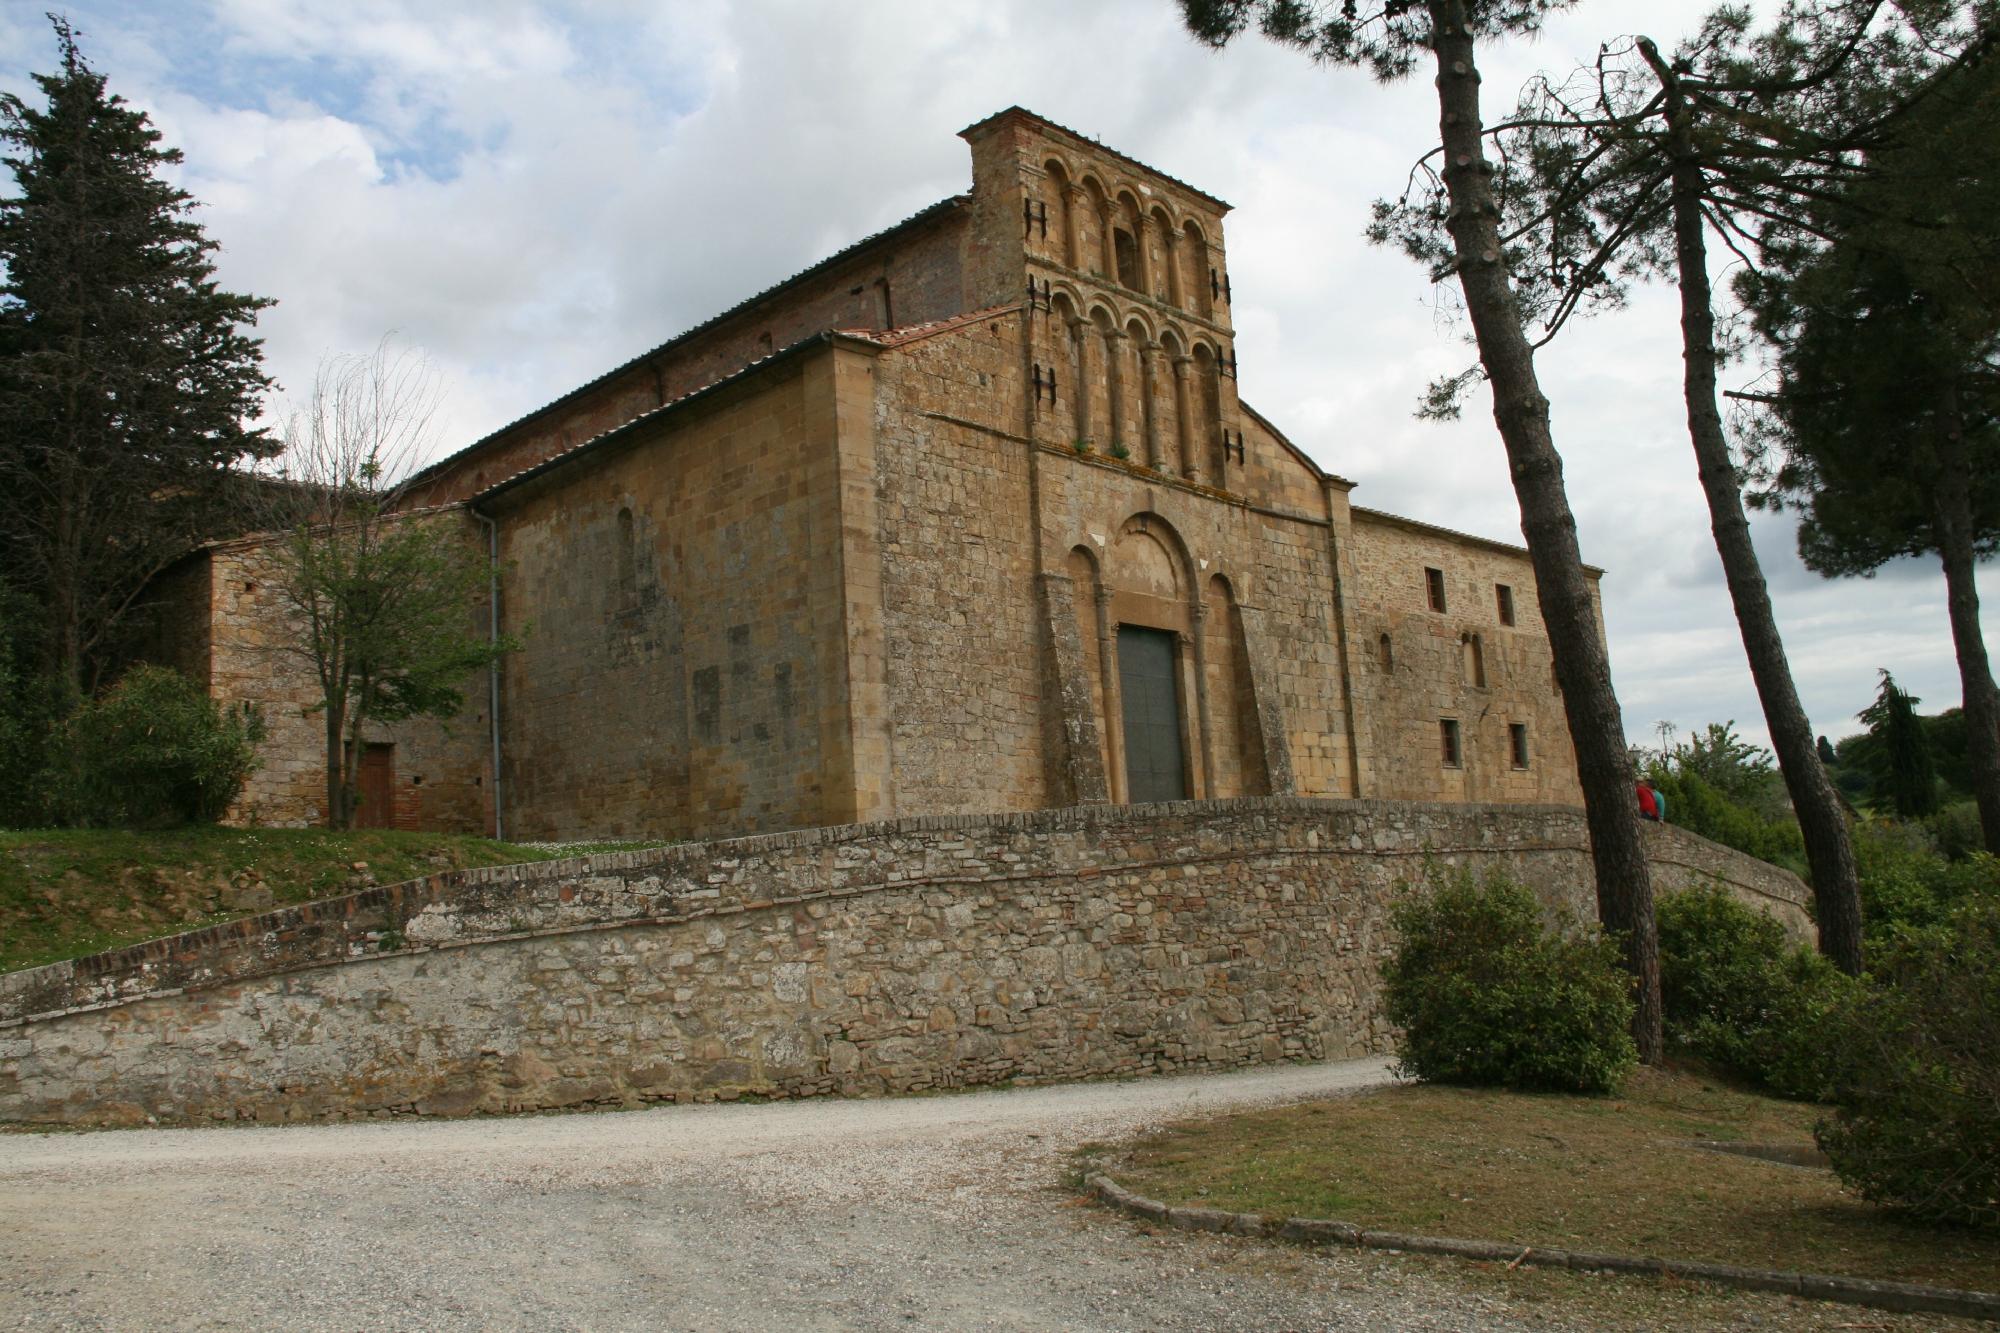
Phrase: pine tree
[1391,37]
[126,374]
[1886,413]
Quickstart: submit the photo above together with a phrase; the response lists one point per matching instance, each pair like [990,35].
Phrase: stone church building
[966,518]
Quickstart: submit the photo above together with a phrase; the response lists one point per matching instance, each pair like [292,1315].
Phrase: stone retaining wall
[892,957]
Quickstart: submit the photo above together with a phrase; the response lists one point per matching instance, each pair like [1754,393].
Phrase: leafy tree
[1824,749]
[1910,780]
[384,601]
[126,373]
[1625,172]
[1886,412]
[1391,37]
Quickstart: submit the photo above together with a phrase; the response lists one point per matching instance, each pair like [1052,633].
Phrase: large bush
[1906,884]
[1486,994]
[1917,1119]
[1740,996]
[154,751]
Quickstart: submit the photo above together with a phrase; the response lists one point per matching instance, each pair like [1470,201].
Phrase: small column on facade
[1072,218]
[1200,646]
[1176,280]
[1114,713]
[1107,244]
[1114,353]
[1184,418]
[1079,349]
[1140,226]
[1149,356]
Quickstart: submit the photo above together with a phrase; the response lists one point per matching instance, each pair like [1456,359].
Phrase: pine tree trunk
[1604,766]
[1829,850]
[1952,507]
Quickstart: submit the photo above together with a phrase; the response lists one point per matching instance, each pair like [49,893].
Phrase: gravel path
[925,1213]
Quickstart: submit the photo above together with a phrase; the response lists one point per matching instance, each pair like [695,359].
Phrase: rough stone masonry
[935,952]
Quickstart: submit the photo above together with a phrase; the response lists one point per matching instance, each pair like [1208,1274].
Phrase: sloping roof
[604,437]
[937,210]
[910,333]
[1433,529]
[1095,147]
[886,338]
[1319,473]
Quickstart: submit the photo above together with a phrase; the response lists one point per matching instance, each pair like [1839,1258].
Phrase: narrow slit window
[1385,652]
[628,562]
[1448,747]
[1517,743]
[1434,588]
[1504,595]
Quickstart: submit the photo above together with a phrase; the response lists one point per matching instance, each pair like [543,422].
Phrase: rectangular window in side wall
[1517,743]
[1448,746]
[1434,588]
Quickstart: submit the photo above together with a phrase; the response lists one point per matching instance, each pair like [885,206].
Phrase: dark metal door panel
[1154,765]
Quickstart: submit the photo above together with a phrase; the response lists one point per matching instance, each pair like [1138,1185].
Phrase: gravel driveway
[920,1213]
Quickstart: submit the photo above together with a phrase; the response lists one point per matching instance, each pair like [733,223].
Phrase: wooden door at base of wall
[377,784]
[1150,697]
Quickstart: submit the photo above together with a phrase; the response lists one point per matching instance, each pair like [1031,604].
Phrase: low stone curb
[1904,1297]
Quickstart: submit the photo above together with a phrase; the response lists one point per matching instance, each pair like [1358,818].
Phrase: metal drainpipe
[493,666]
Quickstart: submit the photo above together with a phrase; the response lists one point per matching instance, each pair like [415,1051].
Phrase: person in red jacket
[1651,804]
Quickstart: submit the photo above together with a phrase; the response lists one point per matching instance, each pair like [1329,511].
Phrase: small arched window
[1475,661]
[1385,654]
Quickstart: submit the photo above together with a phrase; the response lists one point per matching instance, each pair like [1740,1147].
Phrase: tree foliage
[126,372]
[1884,416]
[384,602]
[1908,775]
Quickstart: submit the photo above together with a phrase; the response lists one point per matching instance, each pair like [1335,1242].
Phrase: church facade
[967,518]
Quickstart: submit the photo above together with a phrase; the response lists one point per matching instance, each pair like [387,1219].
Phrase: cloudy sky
[534,192]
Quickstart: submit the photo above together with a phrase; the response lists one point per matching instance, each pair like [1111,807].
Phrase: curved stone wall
[893,957]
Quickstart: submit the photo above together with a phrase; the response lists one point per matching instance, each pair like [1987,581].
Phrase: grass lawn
[65,893]
[1611,1174]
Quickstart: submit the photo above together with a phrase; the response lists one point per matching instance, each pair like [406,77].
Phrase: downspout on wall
[493,666]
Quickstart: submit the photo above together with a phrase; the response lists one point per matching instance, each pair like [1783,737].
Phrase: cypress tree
[1909,775]
[126,373]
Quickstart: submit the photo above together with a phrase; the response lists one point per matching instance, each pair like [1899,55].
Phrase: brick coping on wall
[371,922]
[1906,1297]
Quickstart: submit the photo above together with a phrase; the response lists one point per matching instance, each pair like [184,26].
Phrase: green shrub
[1917,1093]
[1907,885]
[1486,995]
[1957,831]
[1737,994]
[154,751]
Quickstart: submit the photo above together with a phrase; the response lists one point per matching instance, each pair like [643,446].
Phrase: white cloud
[534,192]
